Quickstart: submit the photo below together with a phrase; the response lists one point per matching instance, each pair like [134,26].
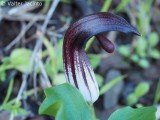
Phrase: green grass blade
[106,5]
[9,91]
[157,95]
[111,84]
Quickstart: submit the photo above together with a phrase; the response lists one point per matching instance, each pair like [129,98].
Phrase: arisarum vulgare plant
[78,71]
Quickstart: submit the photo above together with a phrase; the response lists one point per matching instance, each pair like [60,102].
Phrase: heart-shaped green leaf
[128,113]
[64,102]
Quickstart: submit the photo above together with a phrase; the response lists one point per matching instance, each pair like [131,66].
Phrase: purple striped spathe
[78,71]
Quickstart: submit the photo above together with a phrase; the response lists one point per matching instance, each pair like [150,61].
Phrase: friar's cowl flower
[78,71]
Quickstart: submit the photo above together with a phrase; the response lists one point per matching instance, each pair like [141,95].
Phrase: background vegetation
[31,38]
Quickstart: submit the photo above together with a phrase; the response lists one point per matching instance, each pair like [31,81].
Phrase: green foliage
[140,90]
[128,113]
[124,50]
[88,44]
[55,63]
[153,39]
[18,59]
[143,17]
[13,108]
[2,74]
[9,91]
[46,5]
[51,65]
[154,53]
[106,5]
[94,60]
[3,2]
[93,112]
[132,99]
[51,52]
[157,95]
[59,79]
[146,45]
[144,63]
[135,58]
[99,79]
[64,102]
[141,47]
[122,5]
[59,55]
[111,84]
[144,48]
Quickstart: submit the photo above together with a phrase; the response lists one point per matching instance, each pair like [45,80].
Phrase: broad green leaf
[141,89]
[153,39]
[94,60]
[109,85]
[128,113]
[64,102]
